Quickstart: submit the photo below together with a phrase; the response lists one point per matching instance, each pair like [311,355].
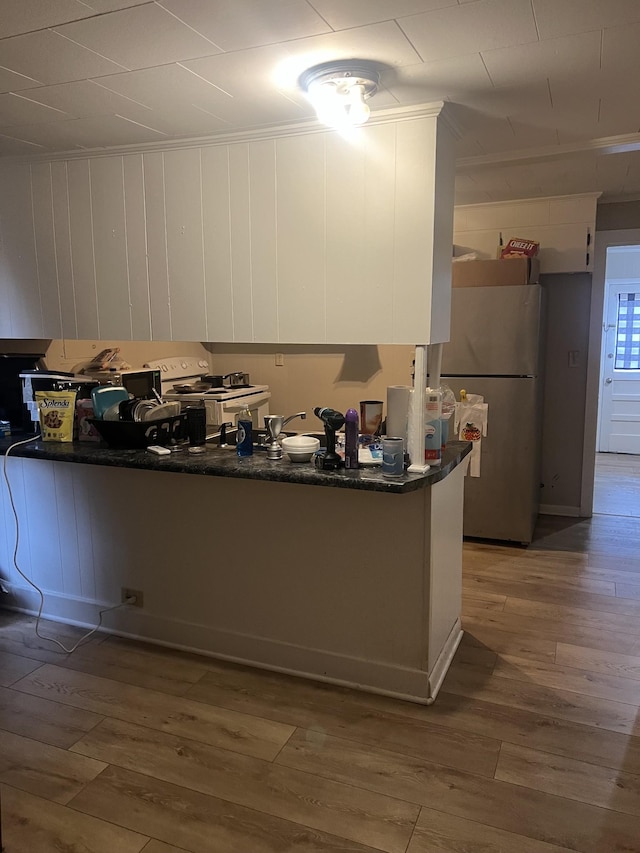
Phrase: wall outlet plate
[129,593]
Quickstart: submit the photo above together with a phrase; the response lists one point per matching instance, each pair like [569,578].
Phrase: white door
[620,375]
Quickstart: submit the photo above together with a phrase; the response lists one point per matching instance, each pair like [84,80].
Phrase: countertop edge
[226,464]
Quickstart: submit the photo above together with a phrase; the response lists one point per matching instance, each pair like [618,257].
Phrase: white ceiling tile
[355,13]
[497,134]
[165,85]
[180,120]
[24,16]
[580,16]
[12,82]
[472,28]
[472,197]
[262,111]
[16,110]
[84,98]
[566,57]
[529,135]
[616,119]
[467,146]
[264,69]
[53,136]
[50,58]
[458,79]
[239,24]
[620,49]
[90,132]
[112,5]
[240,74]
[507,100]
[633,168]
[139,37]
[11,147]
[491,134]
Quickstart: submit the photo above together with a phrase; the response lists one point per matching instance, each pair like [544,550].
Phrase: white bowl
[300,448]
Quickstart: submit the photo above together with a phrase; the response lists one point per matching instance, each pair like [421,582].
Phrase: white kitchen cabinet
[110,247]
[43,228]
[564,227]
[264,240]
[156,236]
[62,238]
[21,313]
[297,235]
[134,211]
[300,226]
[185,264]
[216,228]
[80,183]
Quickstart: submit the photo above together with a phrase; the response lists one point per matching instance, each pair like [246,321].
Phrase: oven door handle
[237,404]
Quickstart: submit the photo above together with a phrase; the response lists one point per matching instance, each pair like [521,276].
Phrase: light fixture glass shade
[339,91]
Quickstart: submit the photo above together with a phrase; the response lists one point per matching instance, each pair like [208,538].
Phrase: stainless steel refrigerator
[496,350]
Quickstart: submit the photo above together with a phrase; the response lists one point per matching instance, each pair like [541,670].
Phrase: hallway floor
[617,484]
[533,745]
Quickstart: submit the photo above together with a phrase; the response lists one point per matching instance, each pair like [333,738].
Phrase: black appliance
[12,408]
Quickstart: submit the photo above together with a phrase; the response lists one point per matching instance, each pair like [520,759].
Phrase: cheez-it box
[519,248]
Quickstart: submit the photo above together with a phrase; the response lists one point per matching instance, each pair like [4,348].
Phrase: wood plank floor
[617,484]
[533,745]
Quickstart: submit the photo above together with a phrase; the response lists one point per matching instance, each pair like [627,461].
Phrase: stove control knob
[183,365]
[164,368]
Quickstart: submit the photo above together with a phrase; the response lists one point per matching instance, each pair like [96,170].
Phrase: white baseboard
[551,509]
[443,663]
[371,676]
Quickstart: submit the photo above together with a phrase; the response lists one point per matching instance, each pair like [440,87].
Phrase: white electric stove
[223,405]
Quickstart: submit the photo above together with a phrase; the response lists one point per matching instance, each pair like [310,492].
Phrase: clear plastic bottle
[244,444]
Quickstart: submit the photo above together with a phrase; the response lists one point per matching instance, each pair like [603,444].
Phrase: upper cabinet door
[110,247]
[21,312]
[185,262]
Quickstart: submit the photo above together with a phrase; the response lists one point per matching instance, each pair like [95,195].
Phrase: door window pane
[628,332]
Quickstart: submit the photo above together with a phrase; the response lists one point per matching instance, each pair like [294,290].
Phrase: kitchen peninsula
[342,576]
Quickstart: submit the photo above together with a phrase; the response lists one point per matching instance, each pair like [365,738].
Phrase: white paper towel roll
[397,410]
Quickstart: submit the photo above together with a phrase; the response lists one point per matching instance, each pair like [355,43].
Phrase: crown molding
[604,145]
[531,200]
[436,109]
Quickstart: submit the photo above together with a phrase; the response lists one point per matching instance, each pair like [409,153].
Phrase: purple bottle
[351,439]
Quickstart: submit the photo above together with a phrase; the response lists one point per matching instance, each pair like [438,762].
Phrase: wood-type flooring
[533,745]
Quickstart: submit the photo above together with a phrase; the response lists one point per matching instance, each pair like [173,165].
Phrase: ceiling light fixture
[339,90]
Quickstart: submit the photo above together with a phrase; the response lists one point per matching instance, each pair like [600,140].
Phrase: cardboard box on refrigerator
[495,273]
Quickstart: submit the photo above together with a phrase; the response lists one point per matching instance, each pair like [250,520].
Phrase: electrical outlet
[279,359]
[130,593]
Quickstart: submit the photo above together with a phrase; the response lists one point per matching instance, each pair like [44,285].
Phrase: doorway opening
[617,465]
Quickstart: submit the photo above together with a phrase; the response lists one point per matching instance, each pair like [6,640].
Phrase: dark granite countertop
[217,462]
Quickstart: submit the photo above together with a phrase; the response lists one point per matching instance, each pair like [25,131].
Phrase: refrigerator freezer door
[495,331]
[503,502]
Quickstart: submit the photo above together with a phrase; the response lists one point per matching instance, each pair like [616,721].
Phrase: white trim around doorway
[604,240]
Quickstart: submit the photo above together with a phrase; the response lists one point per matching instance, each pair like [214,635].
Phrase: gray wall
[568,302]
[618,216]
